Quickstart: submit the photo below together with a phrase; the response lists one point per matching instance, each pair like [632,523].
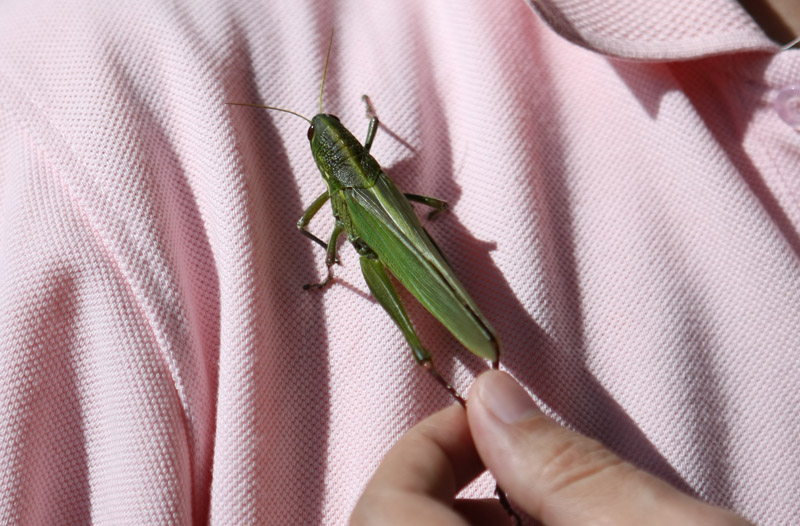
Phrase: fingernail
[505,398]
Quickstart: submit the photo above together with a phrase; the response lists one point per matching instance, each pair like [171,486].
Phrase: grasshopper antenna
[325,70]
[284,110]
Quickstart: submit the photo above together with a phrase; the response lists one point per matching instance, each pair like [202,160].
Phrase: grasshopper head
[342,160]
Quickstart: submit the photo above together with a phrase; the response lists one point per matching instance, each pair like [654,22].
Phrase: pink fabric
[629,227]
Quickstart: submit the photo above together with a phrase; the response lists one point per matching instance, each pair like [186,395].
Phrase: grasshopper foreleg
[310,212]
[374,123]
[381,287]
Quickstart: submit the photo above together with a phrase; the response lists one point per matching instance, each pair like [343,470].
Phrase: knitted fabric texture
[629,227]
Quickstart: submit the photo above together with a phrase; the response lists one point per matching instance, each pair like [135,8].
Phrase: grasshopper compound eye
[310,133]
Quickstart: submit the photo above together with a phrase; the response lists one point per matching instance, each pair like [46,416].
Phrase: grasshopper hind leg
[382,288]
[428,366]
[378,281]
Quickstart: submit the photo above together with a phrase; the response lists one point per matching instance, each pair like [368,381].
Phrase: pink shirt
[625,210]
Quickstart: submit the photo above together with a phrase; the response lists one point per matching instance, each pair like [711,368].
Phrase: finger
[562,477]
[435,457]
[482,511]
[398,508]
[421,474]
[402,508]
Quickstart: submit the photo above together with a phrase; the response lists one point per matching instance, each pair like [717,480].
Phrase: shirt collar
[656,30]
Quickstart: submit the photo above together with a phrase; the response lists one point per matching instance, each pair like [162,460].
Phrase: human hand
[555,475]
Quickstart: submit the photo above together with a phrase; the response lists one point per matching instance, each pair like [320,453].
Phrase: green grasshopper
[384,229]
[381,224]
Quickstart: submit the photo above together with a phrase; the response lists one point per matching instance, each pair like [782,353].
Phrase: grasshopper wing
[386,222]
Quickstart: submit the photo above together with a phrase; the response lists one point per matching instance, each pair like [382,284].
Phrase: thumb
[562,477]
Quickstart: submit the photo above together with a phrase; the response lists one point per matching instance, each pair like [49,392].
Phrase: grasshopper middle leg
[438,205]
[330,258]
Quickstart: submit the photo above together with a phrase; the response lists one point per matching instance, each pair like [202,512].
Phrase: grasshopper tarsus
[370,111]
[434,214]
[309,286]
[324,283]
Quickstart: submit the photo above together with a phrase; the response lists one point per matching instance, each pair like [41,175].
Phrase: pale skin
[554,475]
